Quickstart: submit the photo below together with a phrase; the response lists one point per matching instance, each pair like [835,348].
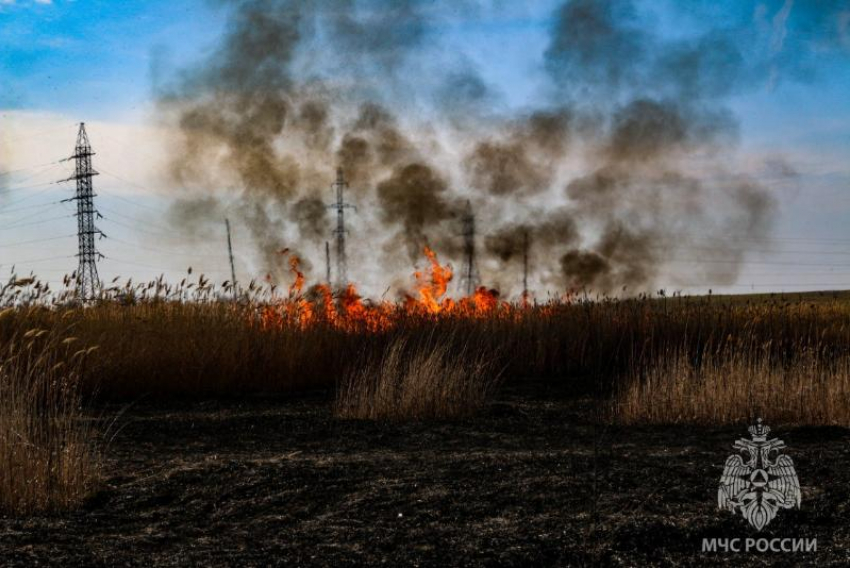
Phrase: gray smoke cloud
[414,198]
[373,146]
[626,161]
[523,159]
[663,107]
[310,215]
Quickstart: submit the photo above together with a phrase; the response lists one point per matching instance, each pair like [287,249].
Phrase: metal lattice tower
[525,265]
[328,263]
[88,282]
[469,274]
[230,256]
[340,205]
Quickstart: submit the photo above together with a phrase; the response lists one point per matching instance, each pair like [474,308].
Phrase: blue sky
[95,57]
[101,61]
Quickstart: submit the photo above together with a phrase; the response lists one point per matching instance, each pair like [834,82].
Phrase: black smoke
[624,165]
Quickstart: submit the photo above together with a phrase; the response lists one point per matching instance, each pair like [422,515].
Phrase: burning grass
[658,359]
[47,457]
[661,360]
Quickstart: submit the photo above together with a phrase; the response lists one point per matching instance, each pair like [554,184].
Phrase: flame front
[432,286]
[346,310]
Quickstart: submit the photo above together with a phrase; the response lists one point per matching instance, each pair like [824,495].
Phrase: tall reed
[48,460]
[426,377]
[736,385]
[195,340]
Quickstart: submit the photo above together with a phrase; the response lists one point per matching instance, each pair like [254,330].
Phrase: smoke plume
[611,177]
[414,198]
[662,103]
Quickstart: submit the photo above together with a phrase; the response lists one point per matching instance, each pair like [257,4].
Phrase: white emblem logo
[759,480]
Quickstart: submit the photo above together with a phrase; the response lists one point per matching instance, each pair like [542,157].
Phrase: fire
[484,301]
[346,310]
[432,286]
[328,306]
[295,288]
[360,317]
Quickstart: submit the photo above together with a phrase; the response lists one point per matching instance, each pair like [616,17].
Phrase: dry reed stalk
[163,341]
[47,458]
[425,378]
[739,386]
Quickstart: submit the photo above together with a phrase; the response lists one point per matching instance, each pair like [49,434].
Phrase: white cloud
[133,151]
[780,26]
[132,191]
[13,2]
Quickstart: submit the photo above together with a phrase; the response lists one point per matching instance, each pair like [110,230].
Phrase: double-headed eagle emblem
[759,480]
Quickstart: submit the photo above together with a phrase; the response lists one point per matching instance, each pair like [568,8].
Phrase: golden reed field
[664,360]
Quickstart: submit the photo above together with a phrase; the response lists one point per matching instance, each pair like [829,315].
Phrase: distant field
[794,297]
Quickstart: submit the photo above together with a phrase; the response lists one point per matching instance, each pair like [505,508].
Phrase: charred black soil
[536,479]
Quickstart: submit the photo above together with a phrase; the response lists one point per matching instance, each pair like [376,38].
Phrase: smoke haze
[613,176]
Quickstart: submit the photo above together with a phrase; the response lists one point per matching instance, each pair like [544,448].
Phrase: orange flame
[432,286]
[346,310]
[296,286]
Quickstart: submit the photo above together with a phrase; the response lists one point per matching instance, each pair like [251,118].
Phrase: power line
[132,202]
[727,237]
[132,228]
[686,248]
[9,172]
[133,184]
[42,221]
[48,270]
[163,250]
[795,273]
[21,243]
[41,170]
[753,251]
[132,263]
[725,261]
[27,207]
[137,220]
[20,187]
[140,186]
[159,268]
[132,149]
[36,194]
[36,260]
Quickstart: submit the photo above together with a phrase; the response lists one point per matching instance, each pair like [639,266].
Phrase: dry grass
[192,350]
[654,356]
[659,360]
[424,378]
[47,459]
[739,386]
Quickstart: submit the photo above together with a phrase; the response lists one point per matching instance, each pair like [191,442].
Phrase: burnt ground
[535,480]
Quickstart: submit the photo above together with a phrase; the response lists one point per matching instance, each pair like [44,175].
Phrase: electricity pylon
[469,273]
[230,256]
[340,205]
[88,282]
